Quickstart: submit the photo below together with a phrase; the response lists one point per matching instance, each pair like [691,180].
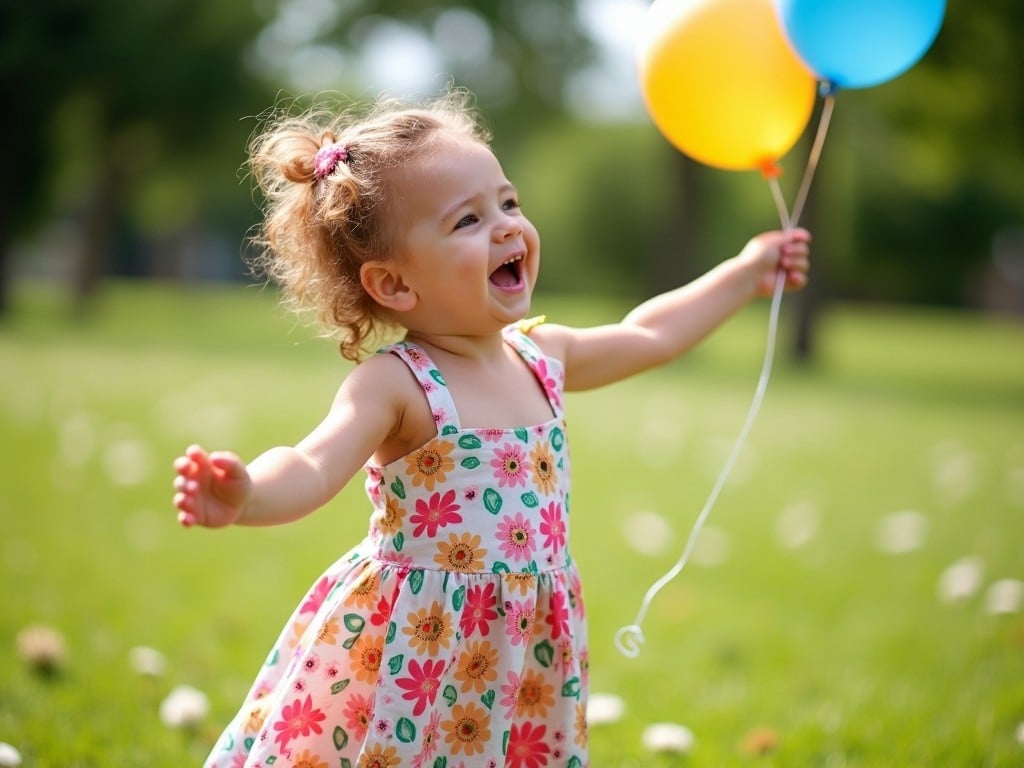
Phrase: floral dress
[454,635]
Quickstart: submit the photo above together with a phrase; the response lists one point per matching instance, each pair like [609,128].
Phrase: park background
[855,601]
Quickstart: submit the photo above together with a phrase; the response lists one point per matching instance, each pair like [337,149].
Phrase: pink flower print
[510,466]
[311,663]
[519,622]
[430,737]
[299,718]
[317,595]
[440,417]
[480,611]
[418,358]
[553,526]
[422,683]
[517,537]
[358,713]
[491,435]
[437,512]
[526,746]
[550,382]
[558,615]
[576,595]
[511,691]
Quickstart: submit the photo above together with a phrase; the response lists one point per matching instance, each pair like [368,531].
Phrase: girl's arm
[666,326]
[287,483]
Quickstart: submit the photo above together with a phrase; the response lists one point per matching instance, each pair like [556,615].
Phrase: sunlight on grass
[854,601]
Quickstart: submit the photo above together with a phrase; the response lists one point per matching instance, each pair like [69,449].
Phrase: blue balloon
[860,43]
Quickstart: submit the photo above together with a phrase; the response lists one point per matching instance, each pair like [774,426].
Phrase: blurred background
[127,125]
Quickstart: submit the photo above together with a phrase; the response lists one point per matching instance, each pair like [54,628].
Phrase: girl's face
[463,244]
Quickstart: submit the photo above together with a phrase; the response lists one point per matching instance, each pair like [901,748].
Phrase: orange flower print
[521,582]
[391,521]
[431,464]
[364,592]
[581,725]
[535,696]
[477,666]
[257,714]
[543,468]
[366,655]
[380,757]
[468,730]
[328,633]
[429,629]
[305,759]
[461,553]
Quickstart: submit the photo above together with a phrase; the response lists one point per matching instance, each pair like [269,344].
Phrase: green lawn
[791,618]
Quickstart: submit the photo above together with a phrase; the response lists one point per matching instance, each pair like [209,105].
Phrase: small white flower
[797,524]
[647,532]
[902,532]
[42,647]
[9,756]
[604,708]
[961,580]
[184,707]
[1004,596]
[147,661]
[1020,733]
[668,737]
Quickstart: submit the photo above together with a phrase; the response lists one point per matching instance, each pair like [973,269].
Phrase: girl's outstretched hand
[786,251]
[210,488]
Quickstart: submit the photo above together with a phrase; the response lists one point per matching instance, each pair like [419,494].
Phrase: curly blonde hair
[319,227]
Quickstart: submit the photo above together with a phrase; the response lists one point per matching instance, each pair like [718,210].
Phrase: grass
[844,653]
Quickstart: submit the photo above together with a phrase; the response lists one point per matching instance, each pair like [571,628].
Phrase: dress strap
[430,380]
[548,370]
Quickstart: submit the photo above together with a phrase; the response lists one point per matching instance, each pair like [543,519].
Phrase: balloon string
[812,159]
[630,637]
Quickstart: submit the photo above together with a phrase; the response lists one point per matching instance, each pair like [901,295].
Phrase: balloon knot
[827,88]
[629,639]
[770,169]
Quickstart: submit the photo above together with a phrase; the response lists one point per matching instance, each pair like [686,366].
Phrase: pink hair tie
[326,160]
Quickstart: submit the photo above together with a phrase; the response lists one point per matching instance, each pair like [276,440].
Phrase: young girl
[454,635]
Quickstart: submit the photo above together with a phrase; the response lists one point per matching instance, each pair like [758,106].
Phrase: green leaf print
[436,376]
[398,488]
[340,737]
[354,622]
[575,762]
[399,541]
[530,499]
[341,685]
[500,567]
[557,439]
[346,763]
[470,462]
[544,653]
[405,730]
[350,642]
[395,665]
[449,429]
[504,742]
[416,580]
[488,698]
[271,760]
[273,658]
[470,442]
[441,762]
[492,500]
[571,688]
[522,434]
[248,743]
[459,598]
[450,695]
[392,631]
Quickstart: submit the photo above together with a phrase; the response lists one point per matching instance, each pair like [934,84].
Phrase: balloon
[859,43]
[721,82]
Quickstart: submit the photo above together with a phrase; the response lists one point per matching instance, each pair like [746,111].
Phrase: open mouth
[509,275]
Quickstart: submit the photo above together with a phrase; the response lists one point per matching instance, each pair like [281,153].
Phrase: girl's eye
[511,204]
[466,221]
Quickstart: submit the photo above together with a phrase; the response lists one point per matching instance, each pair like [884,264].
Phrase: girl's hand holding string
[786,251]
[211,489]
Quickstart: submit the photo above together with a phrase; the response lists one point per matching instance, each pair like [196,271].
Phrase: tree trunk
[673,264]
[97,226]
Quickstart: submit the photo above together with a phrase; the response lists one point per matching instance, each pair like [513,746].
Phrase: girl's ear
[385,286]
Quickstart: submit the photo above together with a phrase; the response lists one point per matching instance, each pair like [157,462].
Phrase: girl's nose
[508,227]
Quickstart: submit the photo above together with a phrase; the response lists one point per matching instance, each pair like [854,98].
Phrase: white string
[630,637]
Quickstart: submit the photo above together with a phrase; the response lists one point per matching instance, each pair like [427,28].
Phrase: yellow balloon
[721,82]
